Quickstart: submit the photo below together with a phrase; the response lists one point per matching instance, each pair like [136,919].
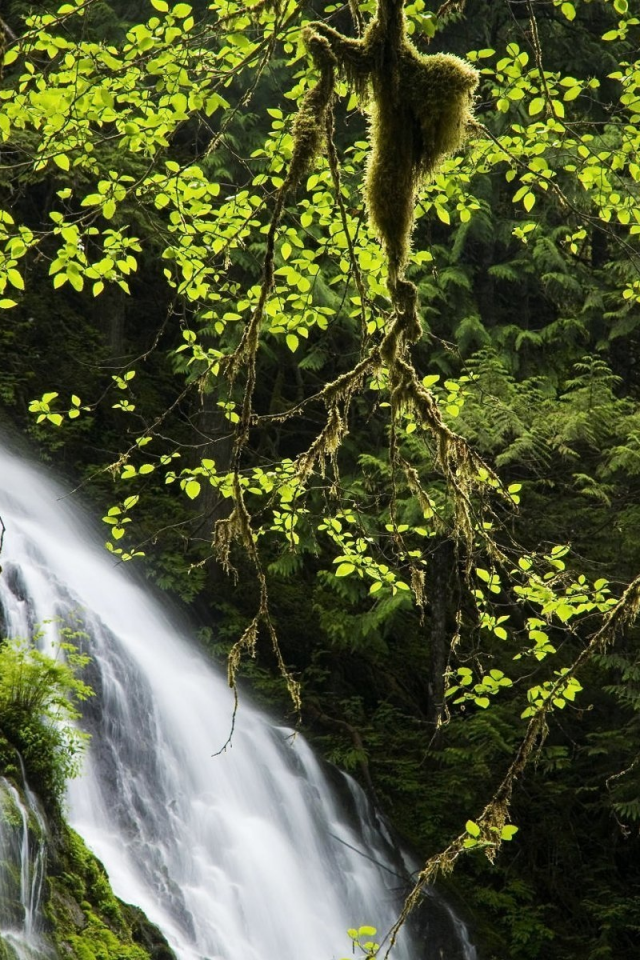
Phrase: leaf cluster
[39,696]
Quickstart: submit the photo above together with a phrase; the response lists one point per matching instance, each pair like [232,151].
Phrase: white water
[241,856]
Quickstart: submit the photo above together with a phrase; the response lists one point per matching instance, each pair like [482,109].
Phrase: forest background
[413,545]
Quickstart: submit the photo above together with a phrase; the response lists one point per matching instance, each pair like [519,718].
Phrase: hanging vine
[420,111]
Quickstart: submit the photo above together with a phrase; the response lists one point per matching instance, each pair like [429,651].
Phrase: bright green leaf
[192,488]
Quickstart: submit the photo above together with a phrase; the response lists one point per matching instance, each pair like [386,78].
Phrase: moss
[10,815]
[11,881]
[309,128]
[8,757]
[86,919]
[421,108]
[146,934]
[97,941]
[6,951]
[420,114]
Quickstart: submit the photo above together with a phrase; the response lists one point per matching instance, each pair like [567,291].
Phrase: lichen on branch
[420,108]
[420,112]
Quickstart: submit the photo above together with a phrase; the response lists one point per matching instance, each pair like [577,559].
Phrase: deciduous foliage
[202,189]
[39,699]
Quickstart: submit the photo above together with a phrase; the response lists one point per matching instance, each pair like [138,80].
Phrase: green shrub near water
[38,702]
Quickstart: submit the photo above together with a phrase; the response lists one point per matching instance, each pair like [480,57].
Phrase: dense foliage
[412,471]
[39,698]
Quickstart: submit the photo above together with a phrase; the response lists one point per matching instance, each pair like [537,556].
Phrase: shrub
[38,704]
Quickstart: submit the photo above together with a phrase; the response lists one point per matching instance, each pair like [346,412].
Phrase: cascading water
[248,855]
[23,838]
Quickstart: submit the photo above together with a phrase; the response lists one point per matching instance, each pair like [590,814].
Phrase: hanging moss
[417,119]
[421,109]
[309,128]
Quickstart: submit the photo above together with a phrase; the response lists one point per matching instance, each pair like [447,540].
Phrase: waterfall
[23,837]
[253,854]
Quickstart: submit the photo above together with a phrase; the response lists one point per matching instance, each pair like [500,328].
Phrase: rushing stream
[258,853]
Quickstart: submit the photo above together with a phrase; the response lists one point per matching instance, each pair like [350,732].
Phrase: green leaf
[572,94]
[564,612]
[345,569]
[192,488]
[472,828]
[508,832]
[15,279]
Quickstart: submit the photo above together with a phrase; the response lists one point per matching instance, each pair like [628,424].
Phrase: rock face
[56,902]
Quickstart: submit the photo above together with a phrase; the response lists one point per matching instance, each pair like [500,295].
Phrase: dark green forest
[333,314]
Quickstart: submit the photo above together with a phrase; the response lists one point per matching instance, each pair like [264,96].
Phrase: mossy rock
[10,872]
[11,912]
[146,934]
[83,918]
[86,920]
[98,942]
[6,951]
